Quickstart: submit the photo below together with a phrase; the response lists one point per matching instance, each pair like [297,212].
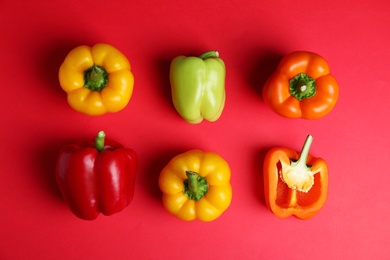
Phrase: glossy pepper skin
[96,79]
[295,184]
[96,177]
[198,86]
[196,185]
[301,87]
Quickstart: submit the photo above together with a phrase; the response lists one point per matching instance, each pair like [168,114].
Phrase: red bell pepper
[96,177]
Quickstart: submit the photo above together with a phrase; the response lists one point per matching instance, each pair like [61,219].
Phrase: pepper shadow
[258,174]
[50,57]
[162,67]
[45,159]
[262,67]
[149,177]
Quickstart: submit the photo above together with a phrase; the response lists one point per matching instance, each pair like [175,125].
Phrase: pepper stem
[301,162]
[302,86]
[209,54]
[99,141]
[95,78]
[195,187]
[298,175]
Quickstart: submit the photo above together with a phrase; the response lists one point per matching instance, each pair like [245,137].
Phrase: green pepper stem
[209,54]
[99,141]
[192,181]
[302,86]
[195,187]
[301,162]
[95,78]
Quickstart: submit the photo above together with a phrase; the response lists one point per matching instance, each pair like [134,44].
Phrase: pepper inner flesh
[292,198]
[297,177]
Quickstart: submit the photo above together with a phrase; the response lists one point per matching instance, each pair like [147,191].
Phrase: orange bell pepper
[295,184]
[301,87]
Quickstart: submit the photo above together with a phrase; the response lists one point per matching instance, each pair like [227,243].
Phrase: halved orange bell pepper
[295,184]
[301,87]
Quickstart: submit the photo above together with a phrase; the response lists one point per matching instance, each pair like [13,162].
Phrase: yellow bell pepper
[196,185]
[96,79]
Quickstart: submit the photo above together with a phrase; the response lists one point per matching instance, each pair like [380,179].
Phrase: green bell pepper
[198,86]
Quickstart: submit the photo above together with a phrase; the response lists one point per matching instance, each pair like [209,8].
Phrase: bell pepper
[198,86]
[96,79]
[295,184]
[196,185]
[301,87]
[96,177]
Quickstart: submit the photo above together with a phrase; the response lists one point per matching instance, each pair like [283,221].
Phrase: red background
[251,37]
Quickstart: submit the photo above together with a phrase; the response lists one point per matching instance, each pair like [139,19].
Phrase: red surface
[251,37]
